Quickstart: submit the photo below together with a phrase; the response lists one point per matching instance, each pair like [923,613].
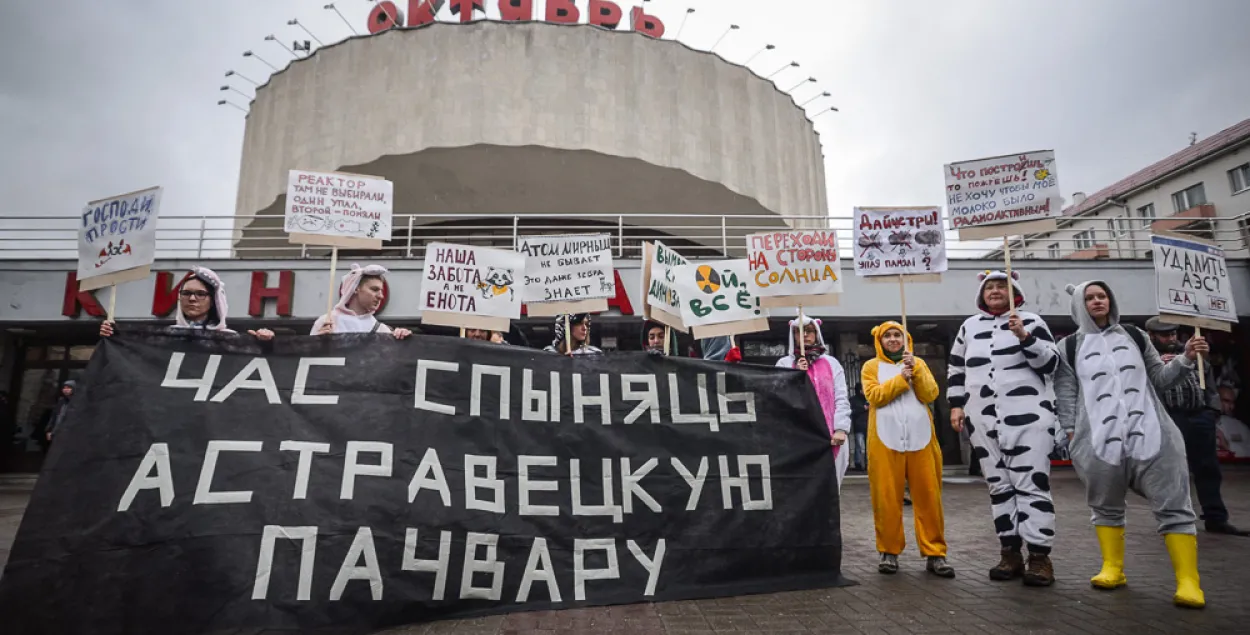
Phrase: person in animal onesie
[201,306]
[579,333]
[360,294]
[1107,392]
[903,450]
[999,388]
[829,380]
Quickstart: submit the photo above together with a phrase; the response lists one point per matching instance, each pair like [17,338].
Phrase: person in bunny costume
[360,295]
[201,306]
[999,388]
[828,379]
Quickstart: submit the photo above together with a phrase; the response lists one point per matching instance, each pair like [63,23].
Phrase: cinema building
[491,130]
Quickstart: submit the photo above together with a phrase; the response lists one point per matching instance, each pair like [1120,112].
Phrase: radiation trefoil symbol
[707,279]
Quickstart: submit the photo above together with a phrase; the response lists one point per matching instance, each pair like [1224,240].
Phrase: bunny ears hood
[794,324]
[879,331]
[986,276]
[216,318]
[351,282]
[1081,315]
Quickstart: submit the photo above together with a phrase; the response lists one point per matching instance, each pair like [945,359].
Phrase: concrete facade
[535,119]
[35,290]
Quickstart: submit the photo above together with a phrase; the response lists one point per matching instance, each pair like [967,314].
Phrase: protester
[1195,412]
[903,451]
[201,306]
[360,294]
[579,333]
[653,339]
[998,388]
[720,349]
[859,431]
[496,337]
[1123,438]
[829,380]
[57,416]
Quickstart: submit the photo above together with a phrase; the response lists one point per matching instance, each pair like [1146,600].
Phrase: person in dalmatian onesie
[1123,437]
[998,387]
[829,380]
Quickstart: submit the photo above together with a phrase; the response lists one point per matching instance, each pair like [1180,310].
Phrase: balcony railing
[700,237]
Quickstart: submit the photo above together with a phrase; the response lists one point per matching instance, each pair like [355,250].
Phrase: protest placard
[1192,283]
[893,241]
[795,268]
[567,274]
[716,299]
[472,287]
[336,209]
[1003,196]
[117,239]
[663,302]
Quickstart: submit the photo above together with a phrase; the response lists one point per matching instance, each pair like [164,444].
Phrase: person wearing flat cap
[1195,411]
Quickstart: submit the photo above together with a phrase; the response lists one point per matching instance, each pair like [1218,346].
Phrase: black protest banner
[342,484]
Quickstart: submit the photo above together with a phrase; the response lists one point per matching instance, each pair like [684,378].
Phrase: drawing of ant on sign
[929,238]
[869,241]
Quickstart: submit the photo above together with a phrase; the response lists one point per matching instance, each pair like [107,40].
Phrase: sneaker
[1009,568]
[937,566]
[888,564]
[1040,572]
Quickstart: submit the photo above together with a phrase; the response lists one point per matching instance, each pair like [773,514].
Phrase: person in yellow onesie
[903,450]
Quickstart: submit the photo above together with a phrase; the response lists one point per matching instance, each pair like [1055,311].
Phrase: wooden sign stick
[1011,291]
[668,333]
[802,334]
[568,336]
[1202,371]
[902,300]
[334,262]
[462,332]
[113,302]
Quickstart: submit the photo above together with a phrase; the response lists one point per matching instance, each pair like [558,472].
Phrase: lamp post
[296,22]
[767,47]
[232,73]
[266,62]
[784,67]
[331,7]
[732,27]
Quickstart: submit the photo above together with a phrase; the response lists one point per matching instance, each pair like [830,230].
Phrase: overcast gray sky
[99,98]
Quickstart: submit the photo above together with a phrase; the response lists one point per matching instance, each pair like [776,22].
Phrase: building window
[1084,240]
[1147,211]
[1239,178]
[1053,251]
[1189,198]
[1120,227]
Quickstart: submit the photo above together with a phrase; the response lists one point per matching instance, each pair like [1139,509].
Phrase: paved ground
[913,601]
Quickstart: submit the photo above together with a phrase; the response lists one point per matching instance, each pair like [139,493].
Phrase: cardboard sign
[662,300]
[717,294]
[1003,196]
[567,274]
[795,268]
[893,241]
[117,239]
[1192,281]
[472,287]
[338,210]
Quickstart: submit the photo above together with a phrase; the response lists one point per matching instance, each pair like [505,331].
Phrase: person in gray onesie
[1106,389]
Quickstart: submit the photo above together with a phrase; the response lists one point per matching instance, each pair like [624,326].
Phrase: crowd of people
[1127,407]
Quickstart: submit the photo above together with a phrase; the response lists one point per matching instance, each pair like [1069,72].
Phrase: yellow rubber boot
[1184,551]
[1111,541]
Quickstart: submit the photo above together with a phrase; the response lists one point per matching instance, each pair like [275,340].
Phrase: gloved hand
[655,352]
[733,356]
